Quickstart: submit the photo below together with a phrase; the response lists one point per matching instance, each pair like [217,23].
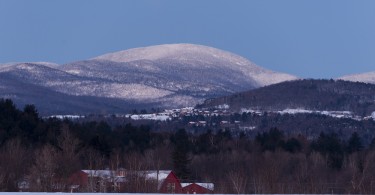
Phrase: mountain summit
[161,76]
[199,57]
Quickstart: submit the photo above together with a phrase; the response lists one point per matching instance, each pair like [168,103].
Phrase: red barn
[168,181]
[97,180]
[77,180]
[198,188]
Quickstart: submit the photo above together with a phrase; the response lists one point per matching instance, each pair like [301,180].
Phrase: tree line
[45,152]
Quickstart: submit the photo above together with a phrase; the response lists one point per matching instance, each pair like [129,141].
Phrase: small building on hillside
[197,188]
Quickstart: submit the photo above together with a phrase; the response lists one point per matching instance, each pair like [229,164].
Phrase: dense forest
[45,150]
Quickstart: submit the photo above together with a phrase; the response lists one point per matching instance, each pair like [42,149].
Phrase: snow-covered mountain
[198,57]
[162,76]
[368,77]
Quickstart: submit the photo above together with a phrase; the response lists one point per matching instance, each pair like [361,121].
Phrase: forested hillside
[46,151]
[307,94]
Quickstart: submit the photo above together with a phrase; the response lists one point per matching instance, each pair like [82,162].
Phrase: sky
[306,38]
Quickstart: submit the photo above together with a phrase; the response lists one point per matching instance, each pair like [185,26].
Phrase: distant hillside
[306,94]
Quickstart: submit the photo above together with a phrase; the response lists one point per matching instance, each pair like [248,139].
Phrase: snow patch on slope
[368,77]
[269,78]
[373,115]
[136,92]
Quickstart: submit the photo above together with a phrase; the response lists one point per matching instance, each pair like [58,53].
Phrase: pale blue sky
[310,39]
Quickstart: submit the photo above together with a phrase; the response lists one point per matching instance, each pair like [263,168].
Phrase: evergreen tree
[331,147]
[270,140]
[205,144]
[31,111]
[292,145]
[354,143]
[180,154]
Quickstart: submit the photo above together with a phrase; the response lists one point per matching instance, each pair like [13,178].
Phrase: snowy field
[63,193]
[57,193]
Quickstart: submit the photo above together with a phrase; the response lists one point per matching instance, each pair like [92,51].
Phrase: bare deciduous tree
[44,169]
[238,180]
[68,157]
[136,163]
[2,179]
[13,161]
[95,161]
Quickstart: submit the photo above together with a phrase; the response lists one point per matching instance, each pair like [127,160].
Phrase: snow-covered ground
[56,193]
[335,114]
[66,116]
[157,117]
